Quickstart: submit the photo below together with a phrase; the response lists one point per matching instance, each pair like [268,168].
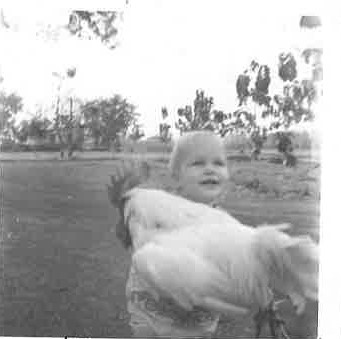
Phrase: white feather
[201,256]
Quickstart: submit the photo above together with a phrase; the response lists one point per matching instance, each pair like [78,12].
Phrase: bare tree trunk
[61,142]
[57,127]
[70,146]
[289,160]
[255,154]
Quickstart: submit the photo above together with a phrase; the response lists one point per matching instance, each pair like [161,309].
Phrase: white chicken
[201,256]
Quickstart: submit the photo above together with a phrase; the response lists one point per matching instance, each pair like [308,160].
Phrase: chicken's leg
[270,317]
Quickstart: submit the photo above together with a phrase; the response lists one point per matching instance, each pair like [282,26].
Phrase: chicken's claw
[275,322]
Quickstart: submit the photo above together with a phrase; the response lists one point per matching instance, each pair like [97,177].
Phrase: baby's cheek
[225,174]
[228,175]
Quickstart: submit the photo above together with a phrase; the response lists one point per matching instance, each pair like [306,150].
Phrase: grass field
[64,272]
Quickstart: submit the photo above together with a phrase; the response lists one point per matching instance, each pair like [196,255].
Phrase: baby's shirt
[162,314]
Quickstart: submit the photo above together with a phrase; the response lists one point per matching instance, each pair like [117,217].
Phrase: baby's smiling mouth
[210,181]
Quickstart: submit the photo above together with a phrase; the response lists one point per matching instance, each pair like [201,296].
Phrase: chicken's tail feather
[291,262]
[125,178]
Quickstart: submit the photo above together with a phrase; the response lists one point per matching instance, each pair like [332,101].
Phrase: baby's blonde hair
[182,147]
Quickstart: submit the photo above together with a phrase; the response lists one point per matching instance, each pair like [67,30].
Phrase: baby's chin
[207,197]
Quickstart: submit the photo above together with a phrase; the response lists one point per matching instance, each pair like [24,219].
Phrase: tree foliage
[106,118]
[254,83]
[293,105]
[287,67]
[200,116]
[10,105]
[310,22]
[284,142]
[136,132]
[94,25]
[313,56]
[165,127]
[38,127]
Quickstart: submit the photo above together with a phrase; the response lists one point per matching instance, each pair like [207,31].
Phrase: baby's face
[204,172]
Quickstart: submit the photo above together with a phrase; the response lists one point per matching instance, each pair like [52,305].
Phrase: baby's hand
[127,175]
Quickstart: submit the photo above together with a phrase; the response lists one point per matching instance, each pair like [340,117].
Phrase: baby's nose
[209,168]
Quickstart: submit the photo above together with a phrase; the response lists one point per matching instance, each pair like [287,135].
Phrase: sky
[167,50]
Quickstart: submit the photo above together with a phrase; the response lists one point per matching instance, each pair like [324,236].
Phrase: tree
[296,102]
[310,21]
[200,116]
[165,127]
[67,122]
[83,24]
[259,113]
[10,105]
[197,117]
[94,25]
[37,127]
[293,105]
[136,132]
[252,84]
[287,67]
[311,55]
[107,118]
[22,131]
[100,25]
[285,146]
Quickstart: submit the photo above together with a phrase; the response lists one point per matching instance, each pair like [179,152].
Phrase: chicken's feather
[201,256]
[154,211]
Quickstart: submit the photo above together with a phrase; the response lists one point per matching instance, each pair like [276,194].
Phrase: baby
[199,168]
[198,165]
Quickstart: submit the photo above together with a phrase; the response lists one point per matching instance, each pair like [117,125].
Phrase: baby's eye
[219,163]
[198,163]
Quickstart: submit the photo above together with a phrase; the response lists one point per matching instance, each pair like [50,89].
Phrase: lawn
[64,272]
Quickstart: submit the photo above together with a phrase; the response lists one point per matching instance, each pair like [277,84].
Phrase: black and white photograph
[161,170]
